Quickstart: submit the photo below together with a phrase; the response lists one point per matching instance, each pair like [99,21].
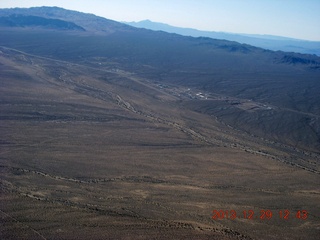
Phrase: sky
[289,18]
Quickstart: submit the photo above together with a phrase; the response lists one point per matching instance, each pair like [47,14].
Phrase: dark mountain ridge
[35,21]
[95,24]
[89,22]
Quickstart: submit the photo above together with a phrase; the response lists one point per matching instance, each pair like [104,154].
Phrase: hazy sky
[290,18]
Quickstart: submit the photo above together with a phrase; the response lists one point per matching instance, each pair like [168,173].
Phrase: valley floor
[92,153]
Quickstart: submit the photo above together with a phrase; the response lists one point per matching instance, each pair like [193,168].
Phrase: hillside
[114,132]
[287,83]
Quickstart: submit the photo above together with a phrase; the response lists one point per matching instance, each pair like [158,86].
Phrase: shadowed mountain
[274,43]
[34,21]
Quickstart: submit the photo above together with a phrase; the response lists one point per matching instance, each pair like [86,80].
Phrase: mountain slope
[287,83]
[264,41]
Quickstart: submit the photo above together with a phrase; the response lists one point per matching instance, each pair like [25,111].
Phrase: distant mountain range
[270,42]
